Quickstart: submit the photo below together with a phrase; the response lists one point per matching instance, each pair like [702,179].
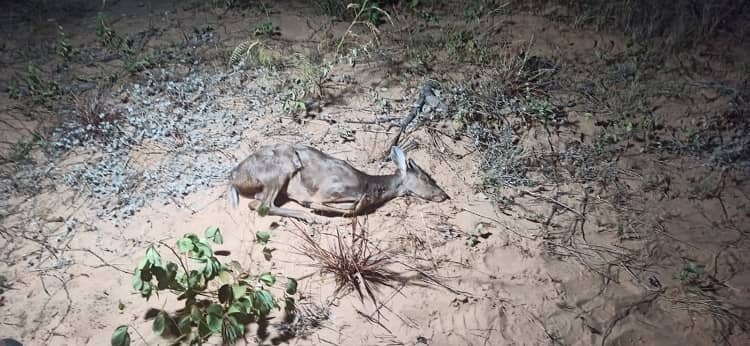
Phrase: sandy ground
[610,282]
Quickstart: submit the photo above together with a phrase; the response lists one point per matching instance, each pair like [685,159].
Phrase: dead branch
[425,91]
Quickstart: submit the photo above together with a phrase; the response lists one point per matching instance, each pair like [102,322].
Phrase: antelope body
[323,183]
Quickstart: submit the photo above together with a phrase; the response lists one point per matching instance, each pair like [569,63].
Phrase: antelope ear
[411,164]
[397,156]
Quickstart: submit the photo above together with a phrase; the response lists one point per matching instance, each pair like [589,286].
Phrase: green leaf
[291,286]
[225,277]
[263,209]
[146,272]
[241,305]
[234,330]
[195,280]
[262,237]
[236,266]
[185,245]
[214,234]
[172,268]
[146,290]
[479,228]
[289,304]
[203,329]
[153,256]
[235,308]
[185,324]
[162,281]
[137,282]
[268,253]
[160,323]
[225,293]
[263,302]
[195,313]
[267,278]
[214,323]
[202,250]
[472,241]
[215,309]
[212,268]
[182,279]
[238,291]
[121,337]
[208,270]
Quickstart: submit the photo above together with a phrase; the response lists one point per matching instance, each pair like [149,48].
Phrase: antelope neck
[384,186]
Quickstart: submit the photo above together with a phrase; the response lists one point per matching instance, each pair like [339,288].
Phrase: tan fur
[323,183]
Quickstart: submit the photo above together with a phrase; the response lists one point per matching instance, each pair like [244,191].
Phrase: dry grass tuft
[356,265]
[92,113]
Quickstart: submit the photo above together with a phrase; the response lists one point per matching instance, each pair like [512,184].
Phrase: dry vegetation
[596,152]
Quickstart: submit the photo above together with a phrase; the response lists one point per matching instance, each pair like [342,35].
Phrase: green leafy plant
[479,232]
[140,63]
[3,284]
[370,12]
[109,38]
[263,209]
[691,274]
[262,238]
[34,85]
[314,77]
[265,29]
[308,86]
[121,337]
[62,46]
[21,149]
[240,298]
[293,105]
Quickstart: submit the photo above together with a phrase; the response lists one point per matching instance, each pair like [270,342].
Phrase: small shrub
[294,104]
[265,29]
[34,85]
[109,38]
[62,46]
[21,149]
[240,299]
[366,13]
[3,284]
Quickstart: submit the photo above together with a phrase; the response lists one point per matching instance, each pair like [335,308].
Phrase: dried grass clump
[355,264]
[92,114]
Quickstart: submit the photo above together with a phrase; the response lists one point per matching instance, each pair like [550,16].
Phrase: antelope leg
[268,199]
[284,212]
[347,209]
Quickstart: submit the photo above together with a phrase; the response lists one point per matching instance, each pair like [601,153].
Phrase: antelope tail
[234,196]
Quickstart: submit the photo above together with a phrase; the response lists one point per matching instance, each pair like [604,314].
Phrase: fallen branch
[424,92]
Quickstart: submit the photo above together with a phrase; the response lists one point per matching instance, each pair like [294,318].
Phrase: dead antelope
[323,183]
